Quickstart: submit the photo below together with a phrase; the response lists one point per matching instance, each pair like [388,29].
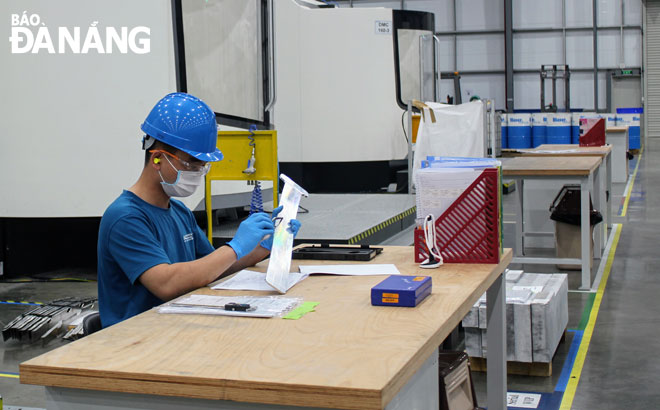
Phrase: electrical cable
[252,130]
[256,202]
[435,258]
[403,125]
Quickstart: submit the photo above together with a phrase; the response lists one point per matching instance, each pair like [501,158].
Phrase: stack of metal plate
[38,322]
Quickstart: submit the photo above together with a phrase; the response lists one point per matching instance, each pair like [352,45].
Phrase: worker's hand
[294,227]
[277,211]
[250,232]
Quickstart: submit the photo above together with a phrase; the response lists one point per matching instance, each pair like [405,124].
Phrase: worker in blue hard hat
[150,249]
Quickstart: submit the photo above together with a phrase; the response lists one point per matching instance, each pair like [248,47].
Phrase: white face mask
[186,182]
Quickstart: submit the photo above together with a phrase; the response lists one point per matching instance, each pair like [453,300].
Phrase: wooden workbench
[605,152]
[347,354]
[566,150]
[549,166]
[618,138]
[565,169]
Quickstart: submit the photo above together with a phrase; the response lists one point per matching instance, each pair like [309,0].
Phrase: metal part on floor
[344,218]
[44,321]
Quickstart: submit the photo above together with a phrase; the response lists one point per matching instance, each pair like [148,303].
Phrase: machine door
[224,53]
[415,55]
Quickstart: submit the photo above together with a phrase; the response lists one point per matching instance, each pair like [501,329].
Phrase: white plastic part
[280,254]
[250,165]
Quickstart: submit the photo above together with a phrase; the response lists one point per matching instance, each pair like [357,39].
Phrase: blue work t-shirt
[133,237]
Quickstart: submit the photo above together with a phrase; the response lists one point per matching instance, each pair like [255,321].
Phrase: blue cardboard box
[399,290]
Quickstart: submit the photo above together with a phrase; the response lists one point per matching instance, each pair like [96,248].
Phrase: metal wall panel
[536,14]
[580,50]
[609,12]
[480,52]
[652,46]
[578,13]
[632,12]
[479,15]
[531,50]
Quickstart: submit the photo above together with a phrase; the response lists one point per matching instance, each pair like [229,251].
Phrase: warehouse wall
[545,32]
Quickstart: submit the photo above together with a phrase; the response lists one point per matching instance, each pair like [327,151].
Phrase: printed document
[351,269]
[251,280]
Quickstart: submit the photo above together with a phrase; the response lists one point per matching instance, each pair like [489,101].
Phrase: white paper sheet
[350,270]
[251,280]
[523,400]
[438,188]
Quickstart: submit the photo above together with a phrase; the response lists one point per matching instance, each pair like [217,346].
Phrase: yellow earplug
[156,160]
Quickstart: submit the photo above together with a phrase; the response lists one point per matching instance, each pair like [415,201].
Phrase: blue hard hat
[185,122]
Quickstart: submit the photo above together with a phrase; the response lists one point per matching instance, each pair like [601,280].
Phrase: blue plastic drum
[519,130]
[559,128]
[505,129]
[575,127]
[633,122]
[539,129]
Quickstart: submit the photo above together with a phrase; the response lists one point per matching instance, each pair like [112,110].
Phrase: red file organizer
[469,230]
[592,132]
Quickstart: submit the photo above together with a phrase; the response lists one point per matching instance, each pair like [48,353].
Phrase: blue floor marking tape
[551,401]
[570,359]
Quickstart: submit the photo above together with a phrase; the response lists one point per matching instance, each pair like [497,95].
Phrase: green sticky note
[301,310]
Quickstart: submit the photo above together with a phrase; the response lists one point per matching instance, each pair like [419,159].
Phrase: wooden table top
[550,166]
[346,354]
[560,150]
[616,129]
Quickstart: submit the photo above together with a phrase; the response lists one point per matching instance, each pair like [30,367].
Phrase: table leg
[585,231]
[496,333]
[608,222]
[599,202]
[520,251]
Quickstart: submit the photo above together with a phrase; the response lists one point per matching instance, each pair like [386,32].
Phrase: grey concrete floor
[621,367]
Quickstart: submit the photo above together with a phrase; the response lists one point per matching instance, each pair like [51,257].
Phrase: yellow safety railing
[237,151]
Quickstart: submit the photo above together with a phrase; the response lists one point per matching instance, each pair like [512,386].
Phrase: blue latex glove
[294,227]
[250,232]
